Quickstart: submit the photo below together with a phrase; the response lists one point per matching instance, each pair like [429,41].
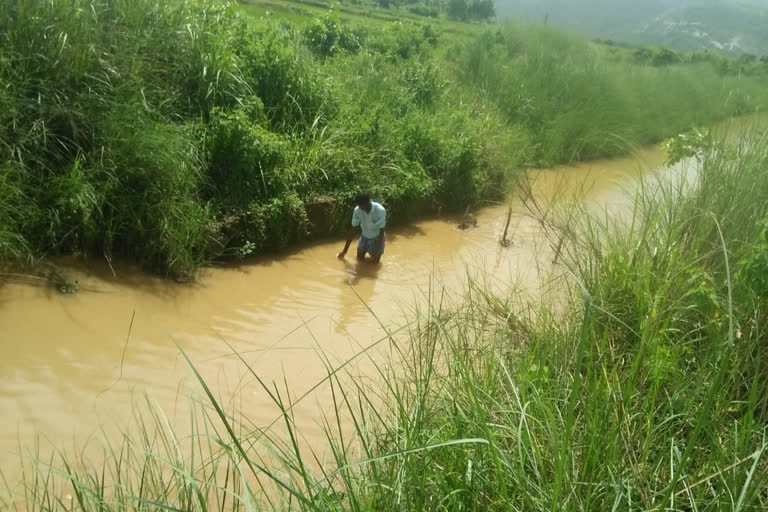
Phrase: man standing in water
[371,218]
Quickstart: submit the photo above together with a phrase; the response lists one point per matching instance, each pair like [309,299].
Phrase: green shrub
[246,162]
[457,9]
[752,268]
[205,63]
[73,210]
[275,223]
[285,78]
[328,36]
[16,210]
[424,10]
[150,176]
[423,82]
[481,10]
[401,40]
[448,153]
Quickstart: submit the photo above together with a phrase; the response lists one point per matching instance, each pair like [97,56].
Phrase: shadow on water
[407,232]
[87,270]
[360,270]
[269,259]
[359,280]
[46,277]
[93,271]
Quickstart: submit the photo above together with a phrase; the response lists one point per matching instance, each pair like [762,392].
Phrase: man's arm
[350,237]
[351,233]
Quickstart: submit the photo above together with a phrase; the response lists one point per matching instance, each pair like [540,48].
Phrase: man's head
[363,200]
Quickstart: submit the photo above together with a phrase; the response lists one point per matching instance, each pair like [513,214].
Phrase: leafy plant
[328,36]
[692,144]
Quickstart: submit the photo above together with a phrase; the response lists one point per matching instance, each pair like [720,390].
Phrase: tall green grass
[645,392]
[581,102]
[175,133]
[178,132]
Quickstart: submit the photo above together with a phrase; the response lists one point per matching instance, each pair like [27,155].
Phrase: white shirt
[371,223]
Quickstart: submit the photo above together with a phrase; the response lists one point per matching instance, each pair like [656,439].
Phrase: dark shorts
[368,245]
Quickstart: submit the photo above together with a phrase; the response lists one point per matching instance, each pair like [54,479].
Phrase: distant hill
[730,26]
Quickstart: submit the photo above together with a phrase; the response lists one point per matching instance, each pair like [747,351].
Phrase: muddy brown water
[69,367]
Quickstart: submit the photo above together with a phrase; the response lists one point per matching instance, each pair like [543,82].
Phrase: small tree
[457,9]
[665,57]
[481,10]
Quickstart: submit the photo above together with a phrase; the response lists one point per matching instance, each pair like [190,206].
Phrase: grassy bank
[579,101]
[176,133]
[646,392]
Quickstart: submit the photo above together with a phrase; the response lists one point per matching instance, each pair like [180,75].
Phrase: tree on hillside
[457,9]
[481,10]
[464,10]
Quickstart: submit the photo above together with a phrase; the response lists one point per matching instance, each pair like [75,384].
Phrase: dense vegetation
[645,391]
[463,10]
[175,133]
[575,101]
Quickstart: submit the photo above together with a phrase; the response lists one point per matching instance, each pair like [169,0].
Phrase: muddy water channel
[75,365]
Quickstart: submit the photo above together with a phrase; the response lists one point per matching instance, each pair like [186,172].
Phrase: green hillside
[728,26]
[178,133]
